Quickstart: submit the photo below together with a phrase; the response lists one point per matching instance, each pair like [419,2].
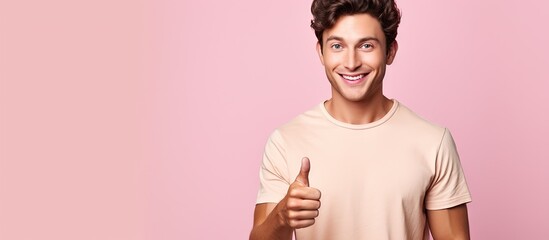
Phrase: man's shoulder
[409,121]
[306,120]
[301,125]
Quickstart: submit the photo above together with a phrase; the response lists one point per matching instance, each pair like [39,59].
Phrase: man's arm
[267,225]
[449,224]
[298,209]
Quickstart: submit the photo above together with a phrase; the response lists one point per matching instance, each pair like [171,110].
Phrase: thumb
[303,176]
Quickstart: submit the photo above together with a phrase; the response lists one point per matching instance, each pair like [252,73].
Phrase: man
[384,172]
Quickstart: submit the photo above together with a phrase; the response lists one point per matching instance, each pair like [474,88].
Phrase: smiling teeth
[351,78]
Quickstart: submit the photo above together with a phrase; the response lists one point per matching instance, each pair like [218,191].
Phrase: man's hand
[299,208]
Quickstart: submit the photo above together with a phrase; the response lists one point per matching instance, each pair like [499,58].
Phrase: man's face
[354,55]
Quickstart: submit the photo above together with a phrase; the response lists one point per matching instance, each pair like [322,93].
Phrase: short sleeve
[273,174]
[448,187]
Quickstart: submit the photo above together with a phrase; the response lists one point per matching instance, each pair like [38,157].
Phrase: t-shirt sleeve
[273,173]
[448,188]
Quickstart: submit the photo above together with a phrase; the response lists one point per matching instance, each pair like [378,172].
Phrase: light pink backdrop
[147,119]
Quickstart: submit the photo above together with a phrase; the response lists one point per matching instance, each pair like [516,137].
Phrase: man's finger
[305,204]
[303,176]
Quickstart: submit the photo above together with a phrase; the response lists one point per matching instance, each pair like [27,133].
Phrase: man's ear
[392,52]
[319,51]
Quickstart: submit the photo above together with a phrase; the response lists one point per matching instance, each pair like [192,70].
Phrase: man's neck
[359,112]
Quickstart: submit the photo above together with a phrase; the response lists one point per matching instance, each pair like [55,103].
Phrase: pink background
[147,119]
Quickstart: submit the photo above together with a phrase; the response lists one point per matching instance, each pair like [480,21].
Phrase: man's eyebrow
[330,38]
[364,39]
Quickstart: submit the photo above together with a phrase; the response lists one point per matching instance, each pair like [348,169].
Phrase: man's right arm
[267,225]
[298,209]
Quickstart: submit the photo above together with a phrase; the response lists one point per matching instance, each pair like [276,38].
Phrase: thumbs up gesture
[299,207]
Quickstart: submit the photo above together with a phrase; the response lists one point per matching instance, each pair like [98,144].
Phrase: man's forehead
[353,27]
[342,39]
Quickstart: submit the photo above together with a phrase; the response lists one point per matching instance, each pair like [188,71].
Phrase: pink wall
[147,119]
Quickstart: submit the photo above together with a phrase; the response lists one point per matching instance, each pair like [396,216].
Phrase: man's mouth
[352,77]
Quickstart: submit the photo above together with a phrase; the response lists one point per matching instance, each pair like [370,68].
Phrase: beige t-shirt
[376,179]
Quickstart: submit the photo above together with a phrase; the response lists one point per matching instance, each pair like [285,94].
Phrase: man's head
[327,12]
[356,40]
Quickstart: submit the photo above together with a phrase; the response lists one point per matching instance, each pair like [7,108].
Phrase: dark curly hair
[327,12]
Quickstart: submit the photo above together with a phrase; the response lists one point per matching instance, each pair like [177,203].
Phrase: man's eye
[336,46]
[367,45]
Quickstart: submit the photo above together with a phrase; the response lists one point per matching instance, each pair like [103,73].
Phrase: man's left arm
[449,224]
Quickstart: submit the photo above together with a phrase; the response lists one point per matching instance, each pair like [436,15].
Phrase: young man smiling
[360,165]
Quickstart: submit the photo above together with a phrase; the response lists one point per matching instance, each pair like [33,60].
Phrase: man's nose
[352,62]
